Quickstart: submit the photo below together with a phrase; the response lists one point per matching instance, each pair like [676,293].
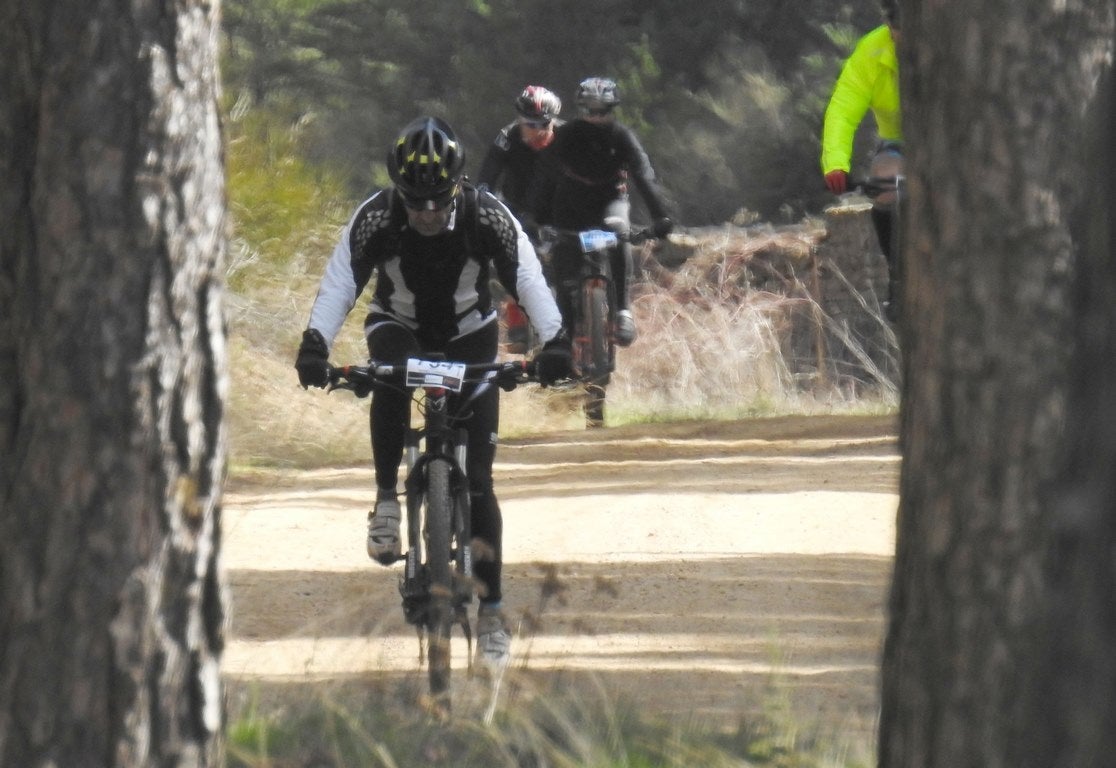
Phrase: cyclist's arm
[847,107]
[640,171]
[520,272]
[534,292]
[339,288]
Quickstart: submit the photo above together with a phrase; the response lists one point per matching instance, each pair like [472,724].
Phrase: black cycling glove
[312,362]
[554,362]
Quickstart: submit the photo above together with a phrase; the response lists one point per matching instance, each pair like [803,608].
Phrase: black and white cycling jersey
[437,286]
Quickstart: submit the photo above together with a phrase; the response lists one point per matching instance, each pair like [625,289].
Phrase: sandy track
[701,568]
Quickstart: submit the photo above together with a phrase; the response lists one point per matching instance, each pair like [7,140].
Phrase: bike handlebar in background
[635,236]
[874,186]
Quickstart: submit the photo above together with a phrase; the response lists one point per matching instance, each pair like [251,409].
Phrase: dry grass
[710,346]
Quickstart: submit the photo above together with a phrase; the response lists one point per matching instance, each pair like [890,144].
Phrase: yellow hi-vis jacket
[869,80]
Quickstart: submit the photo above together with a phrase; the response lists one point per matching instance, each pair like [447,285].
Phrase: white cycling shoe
[384,544]
[493,639]
[625,328]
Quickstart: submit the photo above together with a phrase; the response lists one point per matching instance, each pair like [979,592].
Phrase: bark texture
[994,94]
[1074,681]
[112,383]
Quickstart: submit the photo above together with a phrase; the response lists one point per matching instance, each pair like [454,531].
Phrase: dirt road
[712,569]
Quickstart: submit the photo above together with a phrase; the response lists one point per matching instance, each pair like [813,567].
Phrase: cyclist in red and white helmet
[588,167]
[509,168]
[509,165]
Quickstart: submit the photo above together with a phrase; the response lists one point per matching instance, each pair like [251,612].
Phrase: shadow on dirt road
[702,570]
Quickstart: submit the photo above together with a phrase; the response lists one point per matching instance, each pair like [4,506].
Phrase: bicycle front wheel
[439,568]
[595,308]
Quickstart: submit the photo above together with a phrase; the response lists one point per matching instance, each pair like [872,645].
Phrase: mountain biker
[509,163]
[869,80]
[509,167]
[585,185]
[432,266]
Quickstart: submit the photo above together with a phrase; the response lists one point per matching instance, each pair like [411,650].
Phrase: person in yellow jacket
[869,80]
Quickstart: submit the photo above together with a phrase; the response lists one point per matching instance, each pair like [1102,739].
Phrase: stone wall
[831,277]
[846,330]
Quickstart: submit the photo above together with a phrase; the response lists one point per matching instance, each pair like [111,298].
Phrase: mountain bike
[889,192]
[588,303]
[437,581]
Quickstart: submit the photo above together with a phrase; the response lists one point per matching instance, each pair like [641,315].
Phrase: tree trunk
[993,97]
[1075,680]
[112,384]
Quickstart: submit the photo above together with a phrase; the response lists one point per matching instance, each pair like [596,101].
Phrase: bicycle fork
[415,582]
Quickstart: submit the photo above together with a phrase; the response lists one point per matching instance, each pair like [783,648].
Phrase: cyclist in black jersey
[509,167]
[584,185]
[432,242]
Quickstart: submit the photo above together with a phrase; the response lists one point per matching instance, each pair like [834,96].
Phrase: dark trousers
[391,342]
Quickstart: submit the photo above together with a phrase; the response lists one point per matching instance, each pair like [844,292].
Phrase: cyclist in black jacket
[585,185]
[509,164]
[432,242]
[508,170]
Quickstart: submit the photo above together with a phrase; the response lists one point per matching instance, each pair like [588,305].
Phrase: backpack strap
[470,217]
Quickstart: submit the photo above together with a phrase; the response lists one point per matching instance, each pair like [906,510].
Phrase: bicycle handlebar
[361,379]
[634,236]
[874,186]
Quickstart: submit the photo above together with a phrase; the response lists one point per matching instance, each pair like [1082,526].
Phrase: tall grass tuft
[711,346]
[549,721]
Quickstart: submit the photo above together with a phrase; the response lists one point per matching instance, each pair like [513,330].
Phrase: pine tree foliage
[728,96]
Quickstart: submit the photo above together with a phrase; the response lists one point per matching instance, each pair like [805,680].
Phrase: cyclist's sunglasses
[598,111]
[429,203]
[538,125]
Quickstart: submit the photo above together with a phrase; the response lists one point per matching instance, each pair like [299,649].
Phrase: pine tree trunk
[1075,679]
[993,98]
[112,384]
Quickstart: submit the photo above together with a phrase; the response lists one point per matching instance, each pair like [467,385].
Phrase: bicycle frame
[588,302]
[590,298]
[442,441]
[889,192]
[437,580]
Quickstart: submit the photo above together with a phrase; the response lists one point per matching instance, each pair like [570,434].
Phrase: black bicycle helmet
[598,94]
[890,10]
[538,104]
[426,162]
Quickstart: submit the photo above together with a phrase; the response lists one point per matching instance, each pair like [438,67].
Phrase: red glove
[837,181]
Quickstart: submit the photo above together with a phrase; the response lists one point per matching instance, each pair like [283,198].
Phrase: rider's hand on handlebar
[554,362]
[662,227]
[837,181]
[312,362]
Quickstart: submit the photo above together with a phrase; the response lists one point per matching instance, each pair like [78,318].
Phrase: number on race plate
[597,240]
[435,373]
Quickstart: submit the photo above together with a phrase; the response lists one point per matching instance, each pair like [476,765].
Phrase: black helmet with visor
[425,163]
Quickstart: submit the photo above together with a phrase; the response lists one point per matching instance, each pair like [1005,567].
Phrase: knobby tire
[595,308]
[439,616]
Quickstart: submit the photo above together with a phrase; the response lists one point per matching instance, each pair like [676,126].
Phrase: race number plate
[435,373]
[597,240]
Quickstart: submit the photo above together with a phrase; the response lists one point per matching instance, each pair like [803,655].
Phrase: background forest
[727,95]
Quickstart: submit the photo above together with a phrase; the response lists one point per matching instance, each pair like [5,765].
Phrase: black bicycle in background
[437,583]
[588,300]
[888,194]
